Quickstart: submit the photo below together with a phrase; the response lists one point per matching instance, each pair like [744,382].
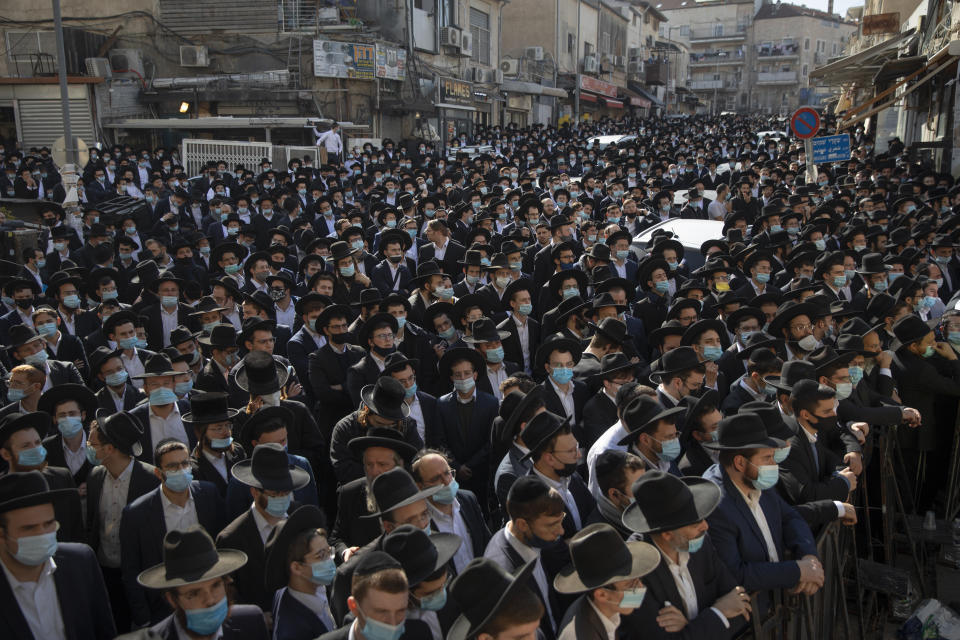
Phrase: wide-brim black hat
[363,334]
[649,412]
[505,433]
[420,554]
[22,489]
[825,357]
[269,469]
[613,363]
[276,567]
[695,330]
[396,488]
[481,590]
[743,431]
[460,353]
[79,393]
[398,361]
[557,343]
[189,557]
[385,398]
[601,557]
[121,429]
[679,359]
[580,276]
[385,437]
[787,312]
[484,330]
[208,408]
[734,317]
[540,429]
[691,500]
[425,271]
[222,336]
[259,375]
[157,366]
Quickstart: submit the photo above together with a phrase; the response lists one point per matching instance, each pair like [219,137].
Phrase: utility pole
[576,64]
[64,91]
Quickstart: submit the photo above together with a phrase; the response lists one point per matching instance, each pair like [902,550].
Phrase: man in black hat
[307,339]
[72,408]
[535,527]
[192,580]
[116,480]
[747,476]
[521,345]
[615,472]
[328,365]
[179,503]
[691,589]
[26,346]
[600,411]
[652,433]
[562,394]
[272,481]
[761,364]
[607,572]
[452,510]
[487,339]
[392,274]
[47,589]
[381,450]
[465,416]
[216,452]
[167,313]
[60,346]
[812,471]
[120,330]
[161,414]
[516,410]
[699,427]
[497,604]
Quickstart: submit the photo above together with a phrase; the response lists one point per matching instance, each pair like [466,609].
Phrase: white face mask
[271,400]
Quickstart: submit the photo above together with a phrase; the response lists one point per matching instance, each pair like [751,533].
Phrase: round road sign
[805,122]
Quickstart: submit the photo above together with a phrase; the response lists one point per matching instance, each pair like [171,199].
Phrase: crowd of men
[413,395]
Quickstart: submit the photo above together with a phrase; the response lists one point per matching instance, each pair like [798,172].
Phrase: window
[448,13]
[805,70]
[806,44]
[298,15]
[32,51]
[587,49]
[834,48]
[605,42]
[571,43]
[685,30]
[480,28]
[718,30]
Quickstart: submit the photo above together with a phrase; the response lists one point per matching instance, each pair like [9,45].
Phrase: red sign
[643,103]
[881,23]
[607,89]
[805,122]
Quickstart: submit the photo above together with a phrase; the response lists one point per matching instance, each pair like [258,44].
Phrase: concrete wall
[529,23]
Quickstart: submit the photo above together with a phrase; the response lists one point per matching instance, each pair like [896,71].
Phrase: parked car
[690,233]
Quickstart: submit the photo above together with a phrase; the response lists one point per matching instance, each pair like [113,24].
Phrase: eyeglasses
[801,327]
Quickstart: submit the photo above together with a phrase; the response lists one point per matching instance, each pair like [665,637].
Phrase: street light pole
[64,90]
[576,64]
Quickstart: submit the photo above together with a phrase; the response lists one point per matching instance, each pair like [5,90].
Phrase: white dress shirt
[134,365]
[179,518]
[39,603]
[170,320]
[287,317]
[496,377]
[416,414]
[75,459]
[606,442]
[113,498]
[566,398]
[169,427]
[752,498]
[527,554]
[264,527]
[684,581]
[317,603]
[454,523]
[523,334]
[563,488]
[609,624]
[219,463]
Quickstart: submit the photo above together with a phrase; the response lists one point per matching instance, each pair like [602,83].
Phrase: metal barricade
[197,153]
[291,152]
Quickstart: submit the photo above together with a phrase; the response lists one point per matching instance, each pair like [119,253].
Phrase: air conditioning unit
[496,76]
[194,56]
[534,53]
[475,74]
[128,60]
[450,37]
[590,64]
[635,67]
[99,68]
[466,44]
[619,61]
[634,52]
[509,67]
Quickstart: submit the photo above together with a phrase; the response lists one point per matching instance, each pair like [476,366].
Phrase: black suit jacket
[476,525]
[142,481]
[293,620]
[204,469]
[57,458]
[695,459]
[483,381]
[84,603]
[69,511]
[512,349]
[803,479]
[131,398]
[326,370]
[142,413]
[554,405]
[70,351]
[242,534]
[711,580]
[155,323]
[142,529]
[243,622]
[352,528]
[599,413]
[468,446]
[451,257]
[359,375]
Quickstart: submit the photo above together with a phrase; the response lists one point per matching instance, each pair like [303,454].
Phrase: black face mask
[339,338]
[395,259]
[24,303]
[824,423]
[567,470]
[383,352]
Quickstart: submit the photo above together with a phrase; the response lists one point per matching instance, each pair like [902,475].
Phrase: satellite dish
[59,152]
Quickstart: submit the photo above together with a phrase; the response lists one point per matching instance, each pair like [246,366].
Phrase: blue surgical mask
[162,396]
[696,544]
[71,301]
[767,476]
[410,391]
[844,389]
[169,302]
[127,343]
[33,551]
[928,302]
[525,309]
[47,329]
[348,271]
[880,286]
[570,292]
[141,343]
[623,254]
[205,622]
[669,449]
[929,352]
[448,333]
[178,481]
[662,286]
[745,335]
[183,388]
[821,244]
[633,598]
[323,572]
[448,493]
[70,426]
[856,374]
[763,278]
[464,386]
[277,505]
[435,601]
[779,455]
[839,281]
[495,356]
[712,353]
[32,457]
[376,630]
[562,375]
[38,359]
[954,337]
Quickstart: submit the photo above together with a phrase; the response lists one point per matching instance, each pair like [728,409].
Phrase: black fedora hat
[260,374]
[697,329]
[743,431]
[644,412]
[787,312]
[21,334]
[385,437]
[122,429]
[613,363]
[396,488]
[22,489]
[514,405]
[757,341]
[853,344]
[872,264]
[485,330]
[181,334]
[385,398]
[100,356]
[456,354]
[276,565]
[368,297]
[557,342]
[583,281]
[157,366]
[398,361]
[374,321]
[206,304]
[569,307]
[691,500]
[269,468]
[611,328]
[600,557]
[668,328]
[190,556]
[265,420]
[421,555]
[254,324]
[120,317]
[792,372]
[164,276]
[300,306]
[480,591]
[679,359]
[340,250]
[332,311]
[910,328]
[540,429]
[209,407]
[425,270]
[826,357]
[222,336]
[81,394]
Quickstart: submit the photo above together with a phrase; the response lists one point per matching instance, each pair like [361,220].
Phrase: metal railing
[701,85]
[721,57]
[196,153]
[778,51]
[718,31]
[776,77]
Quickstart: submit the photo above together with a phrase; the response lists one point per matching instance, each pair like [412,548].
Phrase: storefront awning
[613,104]
[645,94]
[898,67]
[587,97]
[863,65]
[532,88]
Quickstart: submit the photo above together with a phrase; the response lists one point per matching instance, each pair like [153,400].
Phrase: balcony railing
[718,32]
[778,51]
[710,85]
[777,77]
[656,73]
[724,57]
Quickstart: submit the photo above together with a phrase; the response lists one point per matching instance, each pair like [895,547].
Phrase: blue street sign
[831,148]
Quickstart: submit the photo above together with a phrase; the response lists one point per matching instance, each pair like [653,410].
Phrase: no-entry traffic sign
[805,122]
